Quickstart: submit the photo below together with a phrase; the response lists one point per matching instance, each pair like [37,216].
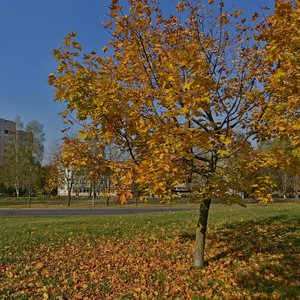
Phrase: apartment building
[8,135]
[6,128]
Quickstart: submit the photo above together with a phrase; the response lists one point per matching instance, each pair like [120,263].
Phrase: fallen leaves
[246,260]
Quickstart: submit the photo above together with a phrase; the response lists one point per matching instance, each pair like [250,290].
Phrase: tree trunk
[284,185]
[17,189]
[296,180]
[69,197]
[29,196]
[94,193]
[201,234]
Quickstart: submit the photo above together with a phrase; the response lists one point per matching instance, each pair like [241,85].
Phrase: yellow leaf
[39,265]
[45,296]
[187,85]
[237,13]
[223,152]
[227,141]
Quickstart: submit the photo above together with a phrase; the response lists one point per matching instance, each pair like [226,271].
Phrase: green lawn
[36,202]
[252,252]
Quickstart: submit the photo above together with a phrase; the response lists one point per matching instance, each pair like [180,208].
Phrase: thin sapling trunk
[199,261]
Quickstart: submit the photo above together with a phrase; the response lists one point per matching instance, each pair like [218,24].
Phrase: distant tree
[61,174]
[34,153]
[49,182]
[13,167]
[24,149]
[91,158]
[285,165]
[35,140]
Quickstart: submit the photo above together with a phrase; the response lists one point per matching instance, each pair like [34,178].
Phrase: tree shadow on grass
[263,254]
[270,249]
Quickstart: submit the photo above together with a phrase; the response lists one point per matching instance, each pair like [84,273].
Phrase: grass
[55,228]
[37,202]
[252,254]
[41,202]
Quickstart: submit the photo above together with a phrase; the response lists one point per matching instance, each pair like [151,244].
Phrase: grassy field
[253,253]
[36,202]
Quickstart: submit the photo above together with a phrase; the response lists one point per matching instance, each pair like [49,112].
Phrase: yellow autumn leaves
[174,97]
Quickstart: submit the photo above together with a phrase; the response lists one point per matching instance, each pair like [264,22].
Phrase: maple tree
[85,158]
[284,165]
[98,163]
[77,163]
[282,64]
[175,92]
[279,124]
[62,172]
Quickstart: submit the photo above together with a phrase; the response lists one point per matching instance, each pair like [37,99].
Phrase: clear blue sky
[30,30]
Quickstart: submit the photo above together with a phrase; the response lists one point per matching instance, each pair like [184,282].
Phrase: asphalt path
[53,212]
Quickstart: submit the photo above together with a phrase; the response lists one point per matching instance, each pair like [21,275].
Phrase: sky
[30,30]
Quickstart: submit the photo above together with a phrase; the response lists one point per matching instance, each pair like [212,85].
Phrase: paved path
[52,212]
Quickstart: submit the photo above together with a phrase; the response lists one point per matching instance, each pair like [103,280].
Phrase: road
[52,212]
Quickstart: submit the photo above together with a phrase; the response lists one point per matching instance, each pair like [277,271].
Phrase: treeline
[285,173]
[86,168]
[21,170]
[80,169]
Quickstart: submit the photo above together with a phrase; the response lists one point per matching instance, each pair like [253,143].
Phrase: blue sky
[30,30]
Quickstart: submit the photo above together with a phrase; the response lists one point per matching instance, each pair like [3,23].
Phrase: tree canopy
[282,66]
[182,93]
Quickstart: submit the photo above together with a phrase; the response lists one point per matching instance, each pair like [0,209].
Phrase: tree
[61,173]
[175,93]
[285,166]
[97,163]
[50,180]
[282,65]
[24,149]
[86,157]
[13,168]
[35,140]
[34,153]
